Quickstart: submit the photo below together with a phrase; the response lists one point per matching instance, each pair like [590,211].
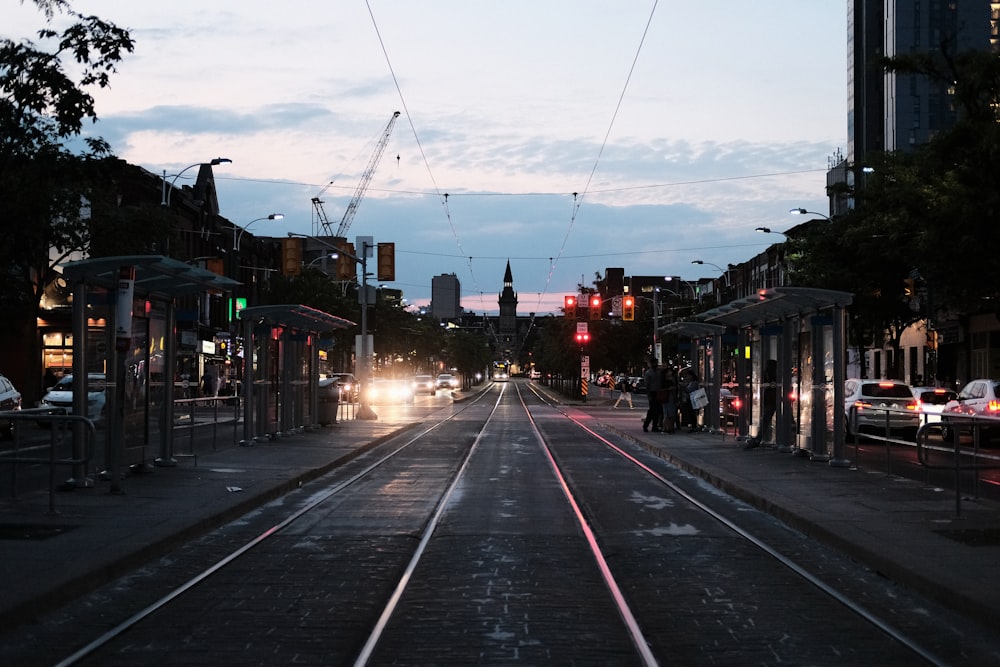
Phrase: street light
[165,199]
[364,373]
[238,236]
[725,273]
[694,292]
[802,211]
[768,230]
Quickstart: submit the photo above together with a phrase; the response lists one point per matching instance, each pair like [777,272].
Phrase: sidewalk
[894,526]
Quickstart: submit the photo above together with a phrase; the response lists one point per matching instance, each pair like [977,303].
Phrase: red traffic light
[569,307]
[628,308]
[582,338]
[595,307]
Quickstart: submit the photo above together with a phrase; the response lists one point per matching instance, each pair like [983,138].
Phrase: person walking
[654,409]
[625,391]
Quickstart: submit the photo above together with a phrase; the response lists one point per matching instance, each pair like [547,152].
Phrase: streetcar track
[315,502]
[635,631]
[816,582]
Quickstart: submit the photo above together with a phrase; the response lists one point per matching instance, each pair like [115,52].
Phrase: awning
[297,316]
[154,275]
[775,305]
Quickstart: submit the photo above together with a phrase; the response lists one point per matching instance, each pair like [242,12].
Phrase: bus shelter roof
[296,316]
[154,275]
[774,305]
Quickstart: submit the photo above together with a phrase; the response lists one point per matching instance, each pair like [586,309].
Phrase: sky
[563,136]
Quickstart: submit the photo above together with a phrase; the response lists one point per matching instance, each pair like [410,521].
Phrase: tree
[48,176]
[931,216]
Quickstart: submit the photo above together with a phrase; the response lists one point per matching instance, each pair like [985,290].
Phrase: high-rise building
[446,297]
[896,112]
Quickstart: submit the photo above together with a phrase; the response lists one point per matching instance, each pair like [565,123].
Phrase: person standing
[689,413]
[654,409]
[668,396]
[625,391]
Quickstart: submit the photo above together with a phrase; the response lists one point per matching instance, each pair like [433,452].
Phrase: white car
[390,392]
[61,395]
[446,381]
[10,399]
[876,404]
[931,402]
[979,399]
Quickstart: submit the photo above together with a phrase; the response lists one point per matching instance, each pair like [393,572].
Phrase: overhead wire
[416,137]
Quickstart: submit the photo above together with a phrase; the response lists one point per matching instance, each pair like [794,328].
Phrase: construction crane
[359,193]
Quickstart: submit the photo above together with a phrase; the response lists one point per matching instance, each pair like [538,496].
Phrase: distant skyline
[679,126]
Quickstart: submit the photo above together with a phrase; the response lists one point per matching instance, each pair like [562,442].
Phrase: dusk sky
[680,126]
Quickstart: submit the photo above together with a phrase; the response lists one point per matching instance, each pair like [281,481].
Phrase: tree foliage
[931,215]
[49,177]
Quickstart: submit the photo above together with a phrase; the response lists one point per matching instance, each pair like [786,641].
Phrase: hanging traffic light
[595,307]
[291,256]
[628,308]
[386,261]
[569,307]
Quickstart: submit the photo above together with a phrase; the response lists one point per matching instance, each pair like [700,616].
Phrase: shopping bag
[699,399]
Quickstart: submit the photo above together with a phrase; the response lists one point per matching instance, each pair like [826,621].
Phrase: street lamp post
[238,231]
[802,211]
[768,230]
[165,198]
[725,273]
[364,372]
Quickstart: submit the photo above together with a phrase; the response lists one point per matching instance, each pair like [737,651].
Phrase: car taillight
[993,406]
[737,403]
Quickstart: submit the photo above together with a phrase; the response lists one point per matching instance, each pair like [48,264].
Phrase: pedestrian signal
[628,308]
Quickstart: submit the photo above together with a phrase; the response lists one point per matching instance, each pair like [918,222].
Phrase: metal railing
[962,459]
[60,429]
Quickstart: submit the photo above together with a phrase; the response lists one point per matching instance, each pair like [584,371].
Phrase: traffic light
[595,307]
[582,337]
[346,269]
[628,308]
[569,307]
[291,256]
[387,261]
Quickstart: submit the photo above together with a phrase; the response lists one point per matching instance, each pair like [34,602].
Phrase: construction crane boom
[359,192]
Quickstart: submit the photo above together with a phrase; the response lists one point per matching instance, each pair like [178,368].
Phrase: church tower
[507,301]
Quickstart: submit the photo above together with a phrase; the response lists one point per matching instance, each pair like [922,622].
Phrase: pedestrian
[768,400]
[654,409]
[689,413]
[207,385]
[625,391]
[668,397]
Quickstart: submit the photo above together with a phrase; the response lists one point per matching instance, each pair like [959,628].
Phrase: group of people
[669,393]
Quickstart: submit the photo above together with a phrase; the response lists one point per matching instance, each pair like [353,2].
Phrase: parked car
[931,402]
[877,403]
[61,395]
[346,383]
[10,399]
[978,398]
[424,384]
[446,381]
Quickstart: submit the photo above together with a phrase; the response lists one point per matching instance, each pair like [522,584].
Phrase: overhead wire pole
[364,372]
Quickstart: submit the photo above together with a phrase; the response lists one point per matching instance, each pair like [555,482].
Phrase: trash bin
[329,401]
